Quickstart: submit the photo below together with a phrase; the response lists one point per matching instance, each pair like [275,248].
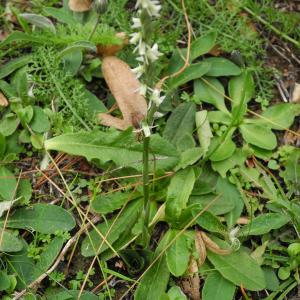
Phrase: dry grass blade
[80,5]
[212,246]
[126,89]
[200,247]
[3,100]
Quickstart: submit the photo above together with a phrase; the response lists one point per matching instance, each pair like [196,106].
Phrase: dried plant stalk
[126,89]
[80,5]
[200,247]
[212,246]
[3,100]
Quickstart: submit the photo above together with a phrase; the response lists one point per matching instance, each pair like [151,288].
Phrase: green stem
[146,179]
[94,28]
[271,27]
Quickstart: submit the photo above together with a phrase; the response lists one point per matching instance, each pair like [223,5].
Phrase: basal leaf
[8,184]
[9,242]
[239,268]
[221,67]
[189,157]
[178,254]
[119,147]
[175,293]
[259,135]
[179,191]
[39,21]
[264,224]
[40,122]
[280,116]
[4,281]
[180,123]
[43,218]
[216,287]
[14,64]
[210,90]
[203,130]
[126,220]
[192,72]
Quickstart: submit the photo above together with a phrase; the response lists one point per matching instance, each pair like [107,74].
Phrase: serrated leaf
[216,287]
[211,90]
[119,147]
[221,67]
[43,218]
[259,135]
[264,224]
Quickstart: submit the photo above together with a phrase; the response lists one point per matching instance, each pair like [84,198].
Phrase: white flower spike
[156,98]
[152,6]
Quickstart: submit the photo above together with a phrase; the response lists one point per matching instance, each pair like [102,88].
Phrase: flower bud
[100,6]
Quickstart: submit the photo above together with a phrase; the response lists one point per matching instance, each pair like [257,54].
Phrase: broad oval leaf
[192,72]
[221,67]
[40,122]
[43,218]
[239,268]
[175,293]
[4,281]
[119,147]
[216,287]
[280,116]
[211,90]
[203,130]
[259,135]
[264,224]
[178,254]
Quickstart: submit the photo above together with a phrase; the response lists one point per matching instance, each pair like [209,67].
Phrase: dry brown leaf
[212,246]
[126,89]
[3,100]
[80,5]
[191,283]
[200,247]
[110,50]
[296,93]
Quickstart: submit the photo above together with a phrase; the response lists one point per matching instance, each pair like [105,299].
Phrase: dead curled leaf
[212,246]
[80,5]
[191,283]
[3,100]
[125,88]
[200,247]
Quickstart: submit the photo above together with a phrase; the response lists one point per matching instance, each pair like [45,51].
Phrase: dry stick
[249,110]
[59,258]
[171,243]
[187,59]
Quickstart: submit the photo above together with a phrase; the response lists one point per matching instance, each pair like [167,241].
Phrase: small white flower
[138,71]
[146,130]
[30,92]
[152,52]
[156,98]
[152,6]
[142,48]
[141,59]
[235,242]
[143,90]
[136,23]
[158,115]
[136,37]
